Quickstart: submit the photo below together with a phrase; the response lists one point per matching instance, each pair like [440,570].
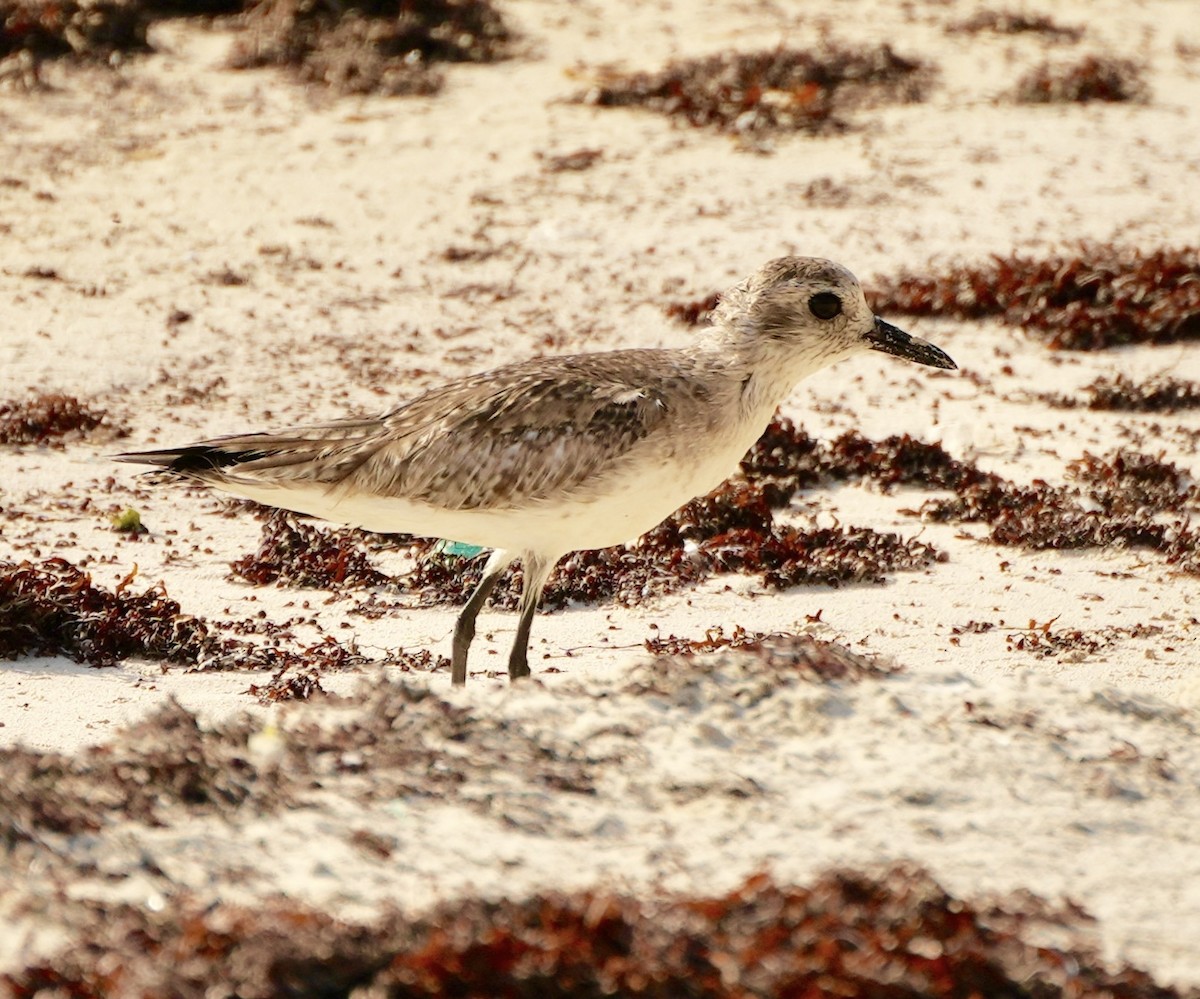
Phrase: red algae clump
[893,935]
[1103,296]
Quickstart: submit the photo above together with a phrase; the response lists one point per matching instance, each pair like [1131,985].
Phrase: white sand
[137,187]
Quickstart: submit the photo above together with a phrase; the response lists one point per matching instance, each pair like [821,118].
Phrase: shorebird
[555,454]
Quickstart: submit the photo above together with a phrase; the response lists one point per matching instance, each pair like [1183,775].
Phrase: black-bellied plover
[555,454]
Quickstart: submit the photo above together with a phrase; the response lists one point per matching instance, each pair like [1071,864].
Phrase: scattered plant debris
[456,254]
[695,312]
[227,277]
[176,392]
[1129,483]
[1120,501]
[373,844]
[297,554]
[392,735]
[832,556]
[580,159]
[299,676]
[825,192]
[897,933]
[714,639]
[52,418]
[85,30]
[1104,296]
[970,628]
[289,684]
[1047,642]
[775,91]
[397,736]
[779,657]
[372,46]
[53,609]
[163,761]
[895,461]
[1159,394]
[1015,23]
[786,460]
[1092,79]
[733,530]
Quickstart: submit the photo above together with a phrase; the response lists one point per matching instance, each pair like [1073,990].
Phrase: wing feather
[503,438]
[524,433]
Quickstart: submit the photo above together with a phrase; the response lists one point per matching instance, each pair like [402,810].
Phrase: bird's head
[813,313]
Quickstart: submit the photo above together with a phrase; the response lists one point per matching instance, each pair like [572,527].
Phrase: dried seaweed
[288,684]
[789,460]
[1119,501]
[774,91]
[164,761]
[694,312]
[1128,483]
[1047,642]
[53,608]
[298,675]
[583,158]
[53,418]
[91,30]
[1159,394]
[1015,23]
[1091,79]
[392,735]
[1103,296]
[302,555]
[1126,498]
[372,46]
[831,556]
[778,659]
[894,935]
[713,640]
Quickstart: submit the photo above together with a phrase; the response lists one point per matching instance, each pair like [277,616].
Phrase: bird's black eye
[825,305]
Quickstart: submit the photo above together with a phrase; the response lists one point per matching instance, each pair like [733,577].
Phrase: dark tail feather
[194,460]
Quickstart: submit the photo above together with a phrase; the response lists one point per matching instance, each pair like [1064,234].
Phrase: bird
[555,454]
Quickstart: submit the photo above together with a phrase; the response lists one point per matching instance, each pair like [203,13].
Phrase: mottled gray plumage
[475,443]
[482,442]
[546,456]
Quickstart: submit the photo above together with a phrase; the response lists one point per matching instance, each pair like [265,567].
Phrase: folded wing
[495,440]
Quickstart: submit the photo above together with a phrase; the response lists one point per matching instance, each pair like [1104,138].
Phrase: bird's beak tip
[891,339]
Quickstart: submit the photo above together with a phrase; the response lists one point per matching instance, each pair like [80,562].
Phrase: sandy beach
[192,250]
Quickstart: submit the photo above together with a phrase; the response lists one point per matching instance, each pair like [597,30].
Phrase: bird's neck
[766,369]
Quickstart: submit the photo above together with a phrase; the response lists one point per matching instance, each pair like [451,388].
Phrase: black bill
[892,340]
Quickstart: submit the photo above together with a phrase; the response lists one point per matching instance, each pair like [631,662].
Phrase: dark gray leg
[464,628]
[537,571]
